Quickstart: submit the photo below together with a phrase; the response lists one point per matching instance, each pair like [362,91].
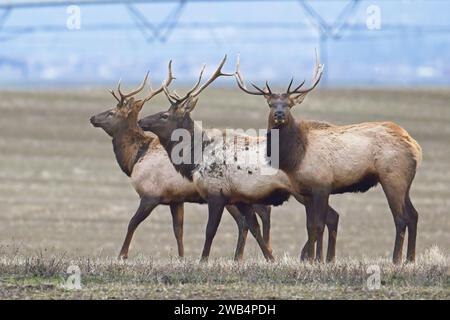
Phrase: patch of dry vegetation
[42,276]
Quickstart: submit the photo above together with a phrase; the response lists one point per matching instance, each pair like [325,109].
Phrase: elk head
[178,114]
[124,115]
[280,104]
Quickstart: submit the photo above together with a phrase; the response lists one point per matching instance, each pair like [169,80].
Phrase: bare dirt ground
[63,200]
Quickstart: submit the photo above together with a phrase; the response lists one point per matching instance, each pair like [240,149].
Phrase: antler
[197,89]
[288,91]
[166,82]
[132,93]
[114,95]
[135,91]
[151,94]
[317,75]
[318,71]
[241,84]
[214,76]
[174,98]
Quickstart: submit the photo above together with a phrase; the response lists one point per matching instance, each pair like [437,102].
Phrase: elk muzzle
[142,124]
[94,121]
[279,117]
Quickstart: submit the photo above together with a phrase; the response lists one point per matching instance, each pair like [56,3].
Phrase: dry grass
[43,276]
[62,191]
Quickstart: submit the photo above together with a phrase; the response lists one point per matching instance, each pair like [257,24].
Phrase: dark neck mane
[292,144]
[187,169]
[130,145]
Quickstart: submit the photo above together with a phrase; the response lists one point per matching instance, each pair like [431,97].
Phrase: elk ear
[298,99]
[190,105]
[129,104]
[137,106]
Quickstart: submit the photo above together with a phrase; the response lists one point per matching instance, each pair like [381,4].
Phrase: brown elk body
[331,159]
[229,171]
[145,161]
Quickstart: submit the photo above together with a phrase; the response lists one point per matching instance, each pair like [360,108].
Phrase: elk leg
[250,218]
[264,212]
[242,232]
[146,207]
[215,211]
[308,248]
[396,199]
[177,211]
[308,251]
[307,202]
[311,232]
[413,217]
[332,221]
[304,253]
[320,204]
[400,229]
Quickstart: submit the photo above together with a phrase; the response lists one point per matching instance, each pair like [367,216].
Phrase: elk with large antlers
[144,160]
[229,171]
[330,159]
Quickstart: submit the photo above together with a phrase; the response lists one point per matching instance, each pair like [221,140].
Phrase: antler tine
[268,88]
[241,83]
[214,76]
[297,87]
[317,75]
[174,98]
[170,77]
[259,89]
[190,92]
[135,91]
[175,94]
[290,84]
[114,95]
[171,99]
[119,83]
[166,82]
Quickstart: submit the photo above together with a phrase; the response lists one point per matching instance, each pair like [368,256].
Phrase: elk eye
[164,116]
[110,114]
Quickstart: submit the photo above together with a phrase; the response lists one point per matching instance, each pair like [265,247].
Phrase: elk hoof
[331,260]
[122,257]
[304,255]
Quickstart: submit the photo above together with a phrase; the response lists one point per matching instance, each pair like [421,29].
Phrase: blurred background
[95,42]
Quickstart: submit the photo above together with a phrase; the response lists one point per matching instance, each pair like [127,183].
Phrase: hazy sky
[275,41]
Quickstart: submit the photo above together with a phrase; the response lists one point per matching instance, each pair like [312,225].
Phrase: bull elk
[331,159]
[220,177]
[144,160]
